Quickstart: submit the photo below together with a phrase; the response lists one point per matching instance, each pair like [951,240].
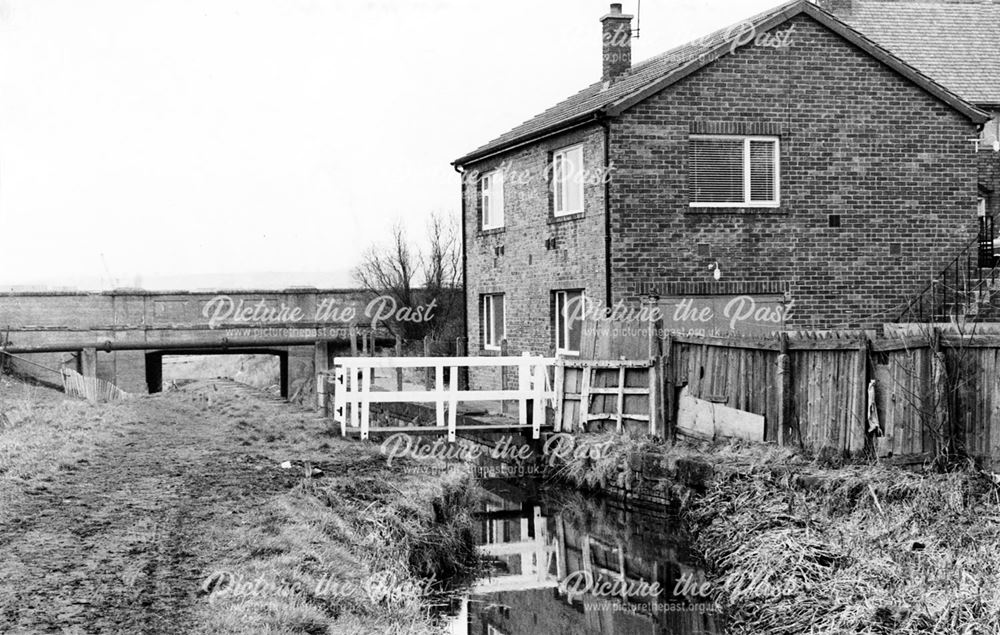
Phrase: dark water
[562,562]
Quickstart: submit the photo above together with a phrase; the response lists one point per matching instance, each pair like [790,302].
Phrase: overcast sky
[226,137]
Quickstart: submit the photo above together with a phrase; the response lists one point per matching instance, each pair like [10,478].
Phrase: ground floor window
[494,319]
[568,321]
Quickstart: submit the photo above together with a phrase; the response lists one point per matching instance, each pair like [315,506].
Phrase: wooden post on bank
[504,405]
[321,363]
[858,426]
[399,371]
[429,374]
[939,382]
[655,355]
[462,350]
[668,388]
[353,334]
[784,396]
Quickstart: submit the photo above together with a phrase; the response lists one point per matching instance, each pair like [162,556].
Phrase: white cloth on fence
[873,422]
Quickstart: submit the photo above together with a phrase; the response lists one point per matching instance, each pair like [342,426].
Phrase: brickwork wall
[857,140]
[517,262]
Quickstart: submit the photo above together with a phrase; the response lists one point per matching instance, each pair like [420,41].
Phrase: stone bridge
[122,335]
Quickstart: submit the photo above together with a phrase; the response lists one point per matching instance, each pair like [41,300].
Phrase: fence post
[784,396]
[439,393]
[559,382]
[462,350]
[353,334]
[321,363]
[452,403]
[667,393]
[399,371]
[858,431]
[523,384]
[538,374]
[365,405]
[339,393]
[939,379]
[504,404]
[428,376]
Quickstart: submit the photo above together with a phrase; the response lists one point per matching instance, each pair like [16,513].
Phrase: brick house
[956,43]
[789,162]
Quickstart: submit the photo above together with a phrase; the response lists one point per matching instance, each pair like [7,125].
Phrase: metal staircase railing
[963,288]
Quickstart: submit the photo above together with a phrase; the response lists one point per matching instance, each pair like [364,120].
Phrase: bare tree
[442,274]
[423,286]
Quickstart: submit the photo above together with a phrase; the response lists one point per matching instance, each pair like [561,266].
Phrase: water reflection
[565,563]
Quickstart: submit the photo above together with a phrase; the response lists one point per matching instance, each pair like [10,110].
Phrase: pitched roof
[657,73]
[955,43]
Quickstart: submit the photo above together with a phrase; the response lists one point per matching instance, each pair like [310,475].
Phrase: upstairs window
[494,321]
[568,321]
[491,189]
[567,181]
[726,171]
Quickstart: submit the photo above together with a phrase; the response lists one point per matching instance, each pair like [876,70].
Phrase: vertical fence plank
[439,394]
[559,389]
[784,393]
[428,372]
[654,396]
[461,350]
[620,401]
[352,391]
[667,364]
[366,386]
[339,391]
[399,371]
[859,412]
[584,398]
[504,352]
[994,419]
[538,373]
[523,382]
[452,402]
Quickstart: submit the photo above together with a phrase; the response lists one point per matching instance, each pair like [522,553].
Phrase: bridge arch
[154,362]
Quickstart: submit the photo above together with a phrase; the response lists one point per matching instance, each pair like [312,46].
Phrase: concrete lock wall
[84,329]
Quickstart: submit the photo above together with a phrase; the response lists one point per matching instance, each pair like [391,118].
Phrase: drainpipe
[606,124]
[465,279]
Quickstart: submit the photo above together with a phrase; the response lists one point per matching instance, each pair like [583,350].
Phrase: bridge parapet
[127,324]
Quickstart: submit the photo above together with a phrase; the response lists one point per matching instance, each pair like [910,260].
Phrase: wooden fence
[909,396]
[91,388]
[353,393]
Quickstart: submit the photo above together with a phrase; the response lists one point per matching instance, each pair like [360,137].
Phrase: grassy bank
[795,547]
[43,432]
[215,509]
[368,552]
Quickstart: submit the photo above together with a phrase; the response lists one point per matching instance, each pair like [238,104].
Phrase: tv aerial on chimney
[638,17]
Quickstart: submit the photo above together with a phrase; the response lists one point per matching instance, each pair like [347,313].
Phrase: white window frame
[489,326]
[746,171]
[562,152]
[562,323]
[491,199]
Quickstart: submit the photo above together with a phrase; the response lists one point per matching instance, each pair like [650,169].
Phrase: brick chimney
[616,36]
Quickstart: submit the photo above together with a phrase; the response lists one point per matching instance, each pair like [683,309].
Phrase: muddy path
[120,541]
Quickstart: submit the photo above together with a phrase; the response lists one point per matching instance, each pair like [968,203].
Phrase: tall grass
[368,553]
[795,546]
[878,551]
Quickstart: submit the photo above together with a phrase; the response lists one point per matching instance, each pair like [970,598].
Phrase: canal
[559,561]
